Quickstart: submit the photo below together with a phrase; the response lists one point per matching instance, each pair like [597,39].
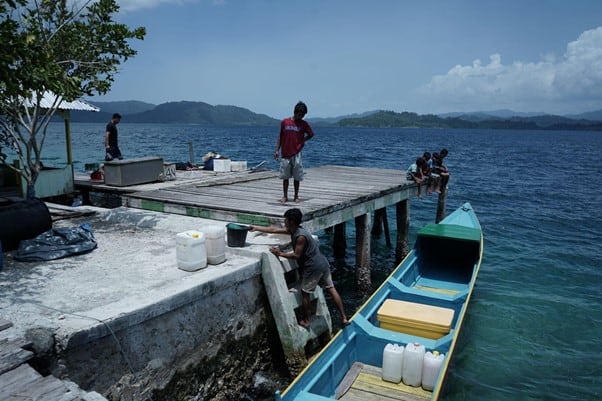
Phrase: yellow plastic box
[415,319]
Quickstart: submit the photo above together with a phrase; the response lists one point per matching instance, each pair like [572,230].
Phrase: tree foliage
[67,48]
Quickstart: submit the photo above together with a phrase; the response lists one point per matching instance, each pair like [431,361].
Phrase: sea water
[534,324]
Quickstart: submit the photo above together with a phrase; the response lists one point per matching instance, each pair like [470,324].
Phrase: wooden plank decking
[365,383]
[329,195]
[19,381]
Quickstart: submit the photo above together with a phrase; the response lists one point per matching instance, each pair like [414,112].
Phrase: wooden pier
[19,381]
[330,196]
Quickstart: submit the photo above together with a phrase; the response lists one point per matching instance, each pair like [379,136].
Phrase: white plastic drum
[430,369]
[215,238]
[413,356]
[392,362]
[190,250]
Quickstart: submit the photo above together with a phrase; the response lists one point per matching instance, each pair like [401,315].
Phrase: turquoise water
[534,327]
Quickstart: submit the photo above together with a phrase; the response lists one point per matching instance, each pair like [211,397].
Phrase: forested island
[389,119]
[187,112]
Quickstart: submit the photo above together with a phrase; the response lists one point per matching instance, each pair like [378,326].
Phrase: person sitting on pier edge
[294,132]
[111,140]
[442,169]
[313,265]
[414,173]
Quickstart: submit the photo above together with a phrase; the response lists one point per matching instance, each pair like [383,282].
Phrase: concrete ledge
[125,308]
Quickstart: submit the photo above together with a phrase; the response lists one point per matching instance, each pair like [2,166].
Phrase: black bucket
[23,220]
[237,235]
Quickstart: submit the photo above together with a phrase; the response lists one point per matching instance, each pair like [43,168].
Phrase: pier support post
[403,227]
[339,242]
[381,222]
[377,224]
[362,250]
[441,203]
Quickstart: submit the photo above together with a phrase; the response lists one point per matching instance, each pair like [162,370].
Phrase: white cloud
[569,83]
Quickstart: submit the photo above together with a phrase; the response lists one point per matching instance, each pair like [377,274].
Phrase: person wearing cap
[111,141]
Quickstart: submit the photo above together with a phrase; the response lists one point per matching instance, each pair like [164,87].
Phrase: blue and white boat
[420,306]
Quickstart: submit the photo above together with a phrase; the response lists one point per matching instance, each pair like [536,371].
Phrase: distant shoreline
[186,112]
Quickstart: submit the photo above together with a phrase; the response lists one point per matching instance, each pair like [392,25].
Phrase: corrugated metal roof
[49,98]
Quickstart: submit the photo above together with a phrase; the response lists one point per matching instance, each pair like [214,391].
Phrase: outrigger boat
[422,302]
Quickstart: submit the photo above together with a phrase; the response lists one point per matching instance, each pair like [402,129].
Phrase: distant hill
[173,112]
[187,112]
[590,115]
[123,107]
[491,114]
[469,121]
[387,119]
[505,114]
[201,113]
[334,120]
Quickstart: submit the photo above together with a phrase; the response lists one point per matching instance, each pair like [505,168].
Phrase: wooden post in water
[380,223]
[362,250]
[386,227]
[339,241]
[377,224]
[441,203]
[403,227]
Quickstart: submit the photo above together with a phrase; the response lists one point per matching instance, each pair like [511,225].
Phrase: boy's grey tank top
[311,259]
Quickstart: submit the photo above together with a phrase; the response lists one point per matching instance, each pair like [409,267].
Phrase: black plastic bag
[22,220]
[57,243]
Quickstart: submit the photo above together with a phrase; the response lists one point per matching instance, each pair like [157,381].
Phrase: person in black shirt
[111,141]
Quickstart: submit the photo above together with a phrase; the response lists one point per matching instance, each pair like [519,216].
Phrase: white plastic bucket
[413,356]
[430,369]
[190,250]
[392,362]
[215,240]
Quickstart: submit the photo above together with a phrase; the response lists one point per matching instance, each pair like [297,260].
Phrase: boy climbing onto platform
[313,265]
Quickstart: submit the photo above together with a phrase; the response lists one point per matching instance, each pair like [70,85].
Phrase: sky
[351,56]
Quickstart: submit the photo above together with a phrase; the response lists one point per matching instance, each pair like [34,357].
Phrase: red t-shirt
[292,136]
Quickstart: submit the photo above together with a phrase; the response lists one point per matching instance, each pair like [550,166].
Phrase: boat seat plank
[437,290]
[446,285]
[369,386]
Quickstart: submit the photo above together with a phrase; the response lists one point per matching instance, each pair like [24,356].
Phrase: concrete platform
[126,305]
[133,268]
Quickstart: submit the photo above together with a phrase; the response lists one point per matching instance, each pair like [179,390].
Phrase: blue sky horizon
[344,57]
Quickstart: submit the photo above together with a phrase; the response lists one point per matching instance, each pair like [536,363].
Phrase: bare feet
[304,323]
[345,323]
[284,199]
[297,200]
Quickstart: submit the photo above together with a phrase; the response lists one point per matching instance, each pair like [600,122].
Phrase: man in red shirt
[294,131]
